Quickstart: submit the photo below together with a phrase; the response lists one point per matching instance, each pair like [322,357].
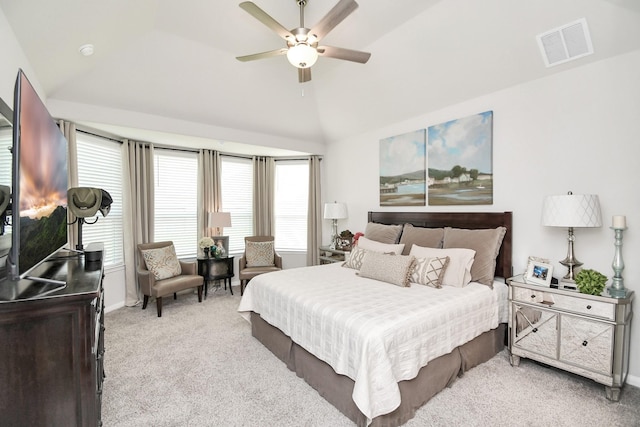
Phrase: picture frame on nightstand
[539,272]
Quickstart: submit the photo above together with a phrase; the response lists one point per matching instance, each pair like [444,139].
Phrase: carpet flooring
[198,365]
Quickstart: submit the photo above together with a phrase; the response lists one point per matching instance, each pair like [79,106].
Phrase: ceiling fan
[302,43]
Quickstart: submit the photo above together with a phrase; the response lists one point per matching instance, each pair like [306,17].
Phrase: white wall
[578,130]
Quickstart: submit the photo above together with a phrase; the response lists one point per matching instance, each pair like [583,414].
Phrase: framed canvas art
[460,161]
[403,169]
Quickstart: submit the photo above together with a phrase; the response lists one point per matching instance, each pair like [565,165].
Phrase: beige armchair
[247,271]
[152,287]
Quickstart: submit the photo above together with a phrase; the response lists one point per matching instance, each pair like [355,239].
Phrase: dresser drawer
[584,306]
[573,304]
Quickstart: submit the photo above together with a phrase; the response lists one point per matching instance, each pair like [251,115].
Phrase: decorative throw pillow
[383,233]
[425,237]
[354,258]
[394,269]
[259,254]
[485,242]
[162,262]
[458,271]
[372,245]
[429,271]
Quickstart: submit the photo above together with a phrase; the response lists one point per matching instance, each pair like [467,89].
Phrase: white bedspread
[374,332]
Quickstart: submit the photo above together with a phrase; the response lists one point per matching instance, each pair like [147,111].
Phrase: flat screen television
[39,184]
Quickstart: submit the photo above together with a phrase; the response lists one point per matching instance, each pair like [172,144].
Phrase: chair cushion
[259,254]
[251,272]
[162,262]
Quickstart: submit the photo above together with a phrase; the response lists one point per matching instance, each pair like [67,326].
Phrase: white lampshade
[219,219]
[571,210]
[302,55]
[335,211]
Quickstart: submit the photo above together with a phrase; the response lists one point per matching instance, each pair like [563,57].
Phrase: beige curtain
[137,201]
[263,196]
[314,212]
[210,193]
[69,131]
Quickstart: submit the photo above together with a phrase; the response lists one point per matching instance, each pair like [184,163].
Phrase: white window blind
[100,166]
[291,204]
[176,200]
[237,198]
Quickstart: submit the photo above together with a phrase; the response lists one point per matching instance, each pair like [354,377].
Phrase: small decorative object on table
[539,272]
[205,243]
[617,290]
[590,282]
[345,240]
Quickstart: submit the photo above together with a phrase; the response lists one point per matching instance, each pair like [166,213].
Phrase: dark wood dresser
[52,345]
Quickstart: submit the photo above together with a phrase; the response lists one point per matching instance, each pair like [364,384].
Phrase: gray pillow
[383,233]
[424,237]
[485,242]
[394,269]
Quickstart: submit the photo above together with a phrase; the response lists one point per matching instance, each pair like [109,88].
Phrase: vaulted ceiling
[176,59]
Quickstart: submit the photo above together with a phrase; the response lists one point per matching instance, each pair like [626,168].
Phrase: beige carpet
[199,366]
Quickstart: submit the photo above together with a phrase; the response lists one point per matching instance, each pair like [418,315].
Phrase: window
[291,204]
[100,166]
[176,200]
[237,198]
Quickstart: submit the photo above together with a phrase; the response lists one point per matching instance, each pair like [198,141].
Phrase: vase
[206,252]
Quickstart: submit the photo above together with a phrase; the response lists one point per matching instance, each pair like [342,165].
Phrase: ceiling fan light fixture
[302,55]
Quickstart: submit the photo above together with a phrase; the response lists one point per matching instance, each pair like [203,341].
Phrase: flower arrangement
[205,242]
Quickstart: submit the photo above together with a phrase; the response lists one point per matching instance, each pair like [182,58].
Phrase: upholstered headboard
[469,220]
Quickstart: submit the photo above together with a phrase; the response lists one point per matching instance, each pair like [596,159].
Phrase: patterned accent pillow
[260,254]
[458,272]
[394,269]
[430,271]
[162,262]
[355,258]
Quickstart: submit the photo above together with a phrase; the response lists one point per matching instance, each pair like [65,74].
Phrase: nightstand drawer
[571,304]
[584,306]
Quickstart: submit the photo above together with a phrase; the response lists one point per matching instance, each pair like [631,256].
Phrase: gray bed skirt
[337,389]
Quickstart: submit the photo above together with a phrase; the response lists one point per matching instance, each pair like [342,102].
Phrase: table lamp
[571,211]
[334,211]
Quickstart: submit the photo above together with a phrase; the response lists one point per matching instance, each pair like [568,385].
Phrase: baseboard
[114,307]
[633,380]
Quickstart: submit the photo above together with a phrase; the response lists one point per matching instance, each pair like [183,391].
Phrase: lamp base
[617,293]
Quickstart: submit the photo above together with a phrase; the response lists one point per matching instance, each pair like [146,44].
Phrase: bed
[322,322]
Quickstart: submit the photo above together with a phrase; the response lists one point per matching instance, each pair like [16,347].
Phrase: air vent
[566,43]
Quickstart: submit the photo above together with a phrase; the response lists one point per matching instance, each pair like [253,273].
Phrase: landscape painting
[460,161]
[403,169]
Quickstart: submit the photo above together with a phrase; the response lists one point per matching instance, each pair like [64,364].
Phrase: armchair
[259,257]
[159,260]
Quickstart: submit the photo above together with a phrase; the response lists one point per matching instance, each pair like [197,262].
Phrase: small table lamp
[571,211]
[335,211]
[219,220]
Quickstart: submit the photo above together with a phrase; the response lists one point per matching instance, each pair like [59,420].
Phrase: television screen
[39,182]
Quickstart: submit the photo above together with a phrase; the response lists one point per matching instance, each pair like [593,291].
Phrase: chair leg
[241,287]
[200,293]
[159,305]
[175,295]
[145,301]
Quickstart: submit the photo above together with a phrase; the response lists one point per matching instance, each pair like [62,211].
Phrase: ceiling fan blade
[267,20]
[304,75]
[262,55]
[342,53]
[334,17]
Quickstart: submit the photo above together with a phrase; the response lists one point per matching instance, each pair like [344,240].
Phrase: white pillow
[458,272]
[385,248]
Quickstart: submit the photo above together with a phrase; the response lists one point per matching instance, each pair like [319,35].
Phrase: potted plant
[590,282]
